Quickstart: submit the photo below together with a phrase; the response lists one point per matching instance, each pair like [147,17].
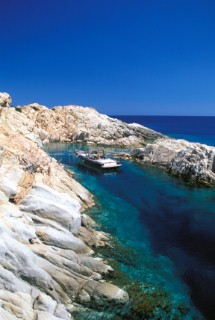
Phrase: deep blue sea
[195,129]
[168,225]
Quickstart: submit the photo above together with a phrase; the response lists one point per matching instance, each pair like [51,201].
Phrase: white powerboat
[97,160]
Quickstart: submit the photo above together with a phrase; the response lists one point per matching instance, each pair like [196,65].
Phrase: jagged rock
[190,161]
[20,156]
[196,163]
[44,263]
[5,100]
[86,125]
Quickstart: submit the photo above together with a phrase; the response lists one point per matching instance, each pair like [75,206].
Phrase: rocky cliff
[193,162]
[85,125]
[48,269]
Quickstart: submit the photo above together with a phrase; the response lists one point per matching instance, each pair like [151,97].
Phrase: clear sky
[154,57]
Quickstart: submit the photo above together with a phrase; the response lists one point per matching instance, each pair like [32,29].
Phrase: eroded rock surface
[86,125]
[193,162]
[46,260]
[5,100]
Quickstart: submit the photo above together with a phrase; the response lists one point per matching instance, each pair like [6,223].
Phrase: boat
[97,159]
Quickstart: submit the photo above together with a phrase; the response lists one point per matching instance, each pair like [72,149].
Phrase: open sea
[164,229]
[195,129]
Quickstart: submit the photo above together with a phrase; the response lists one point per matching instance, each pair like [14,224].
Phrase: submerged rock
[105,293]
[122,155]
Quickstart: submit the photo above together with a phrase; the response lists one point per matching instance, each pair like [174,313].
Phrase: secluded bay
[167,225]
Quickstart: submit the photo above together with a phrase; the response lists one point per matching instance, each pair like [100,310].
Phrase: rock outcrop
[192,162]
[47,263]
[48,269]
[5,100]
[85,125]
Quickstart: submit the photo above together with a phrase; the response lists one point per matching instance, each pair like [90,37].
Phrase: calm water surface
[169,225]
[195,129]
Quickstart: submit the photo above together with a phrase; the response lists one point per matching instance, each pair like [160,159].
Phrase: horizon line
[156,115]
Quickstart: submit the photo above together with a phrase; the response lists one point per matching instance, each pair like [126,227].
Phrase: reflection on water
[169,225]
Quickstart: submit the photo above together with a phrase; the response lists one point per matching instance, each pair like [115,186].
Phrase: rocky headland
[48,267]
[85,125]
[192,162]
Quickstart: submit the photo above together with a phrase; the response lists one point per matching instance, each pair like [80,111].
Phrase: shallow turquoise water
[169,226]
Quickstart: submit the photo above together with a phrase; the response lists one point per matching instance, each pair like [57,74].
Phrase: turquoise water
[169,226]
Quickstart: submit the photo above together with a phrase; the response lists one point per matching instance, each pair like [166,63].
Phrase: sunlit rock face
[86,125]
[46,260]
[5,100]
[192,162]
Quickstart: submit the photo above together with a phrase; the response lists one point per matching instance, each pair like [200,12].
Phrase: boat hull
[92,164]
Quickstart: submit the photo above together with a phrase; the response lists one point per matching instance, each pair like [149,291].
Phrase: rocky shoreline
[77,124]
[191,162]
[49,269]
[48,266]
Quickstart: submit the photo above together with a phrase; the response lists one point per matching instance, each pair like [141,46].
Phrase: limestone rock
[5,99]
[46,316]
[93,238]
[45,258]
[23,162]
[18,304]
[161,152]
[65,240]
[47,203]
[6,315]
[45,303]
[85,125]
[105,293]
[94,264]
[192,162]
[123,155]
[196,163]
[61,312]
[87,222]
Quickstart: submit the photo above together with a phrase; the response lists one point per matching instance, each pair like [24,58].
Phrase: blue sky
[120,56]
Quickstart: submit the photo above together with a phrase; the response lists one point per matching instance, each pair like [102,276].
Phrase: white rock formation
[46,264]
[85,125]
[43,201]
[192,162]
[5,100]
[46,257]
